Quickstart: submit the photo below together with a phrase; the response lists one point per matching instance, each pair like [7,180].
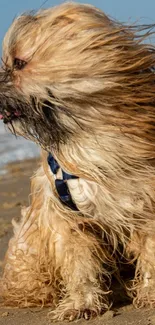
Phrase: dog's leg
[144,282]
[27,278]
[81,268]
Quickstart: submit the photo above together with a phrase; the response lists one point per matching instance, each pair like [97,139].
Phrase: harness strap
[61,184]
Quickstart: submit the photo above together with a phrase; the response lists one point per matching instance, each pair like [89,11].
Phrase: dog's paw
[71,314]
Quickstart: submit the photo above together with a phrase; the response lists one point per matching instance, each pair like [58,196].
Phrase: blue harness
[61,184]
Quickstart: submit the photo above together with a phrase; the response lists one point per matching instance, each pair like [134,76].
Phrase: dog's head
[71,71]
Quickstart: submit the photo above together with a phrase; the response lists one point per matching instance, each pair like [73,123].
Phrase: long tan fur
[101,77]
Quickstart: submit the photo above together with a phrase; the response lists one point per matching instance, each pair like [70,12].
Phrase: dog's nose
[5,79]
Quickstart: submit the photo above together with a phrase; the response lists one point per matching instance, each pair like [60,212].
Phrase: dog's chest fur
[94,200]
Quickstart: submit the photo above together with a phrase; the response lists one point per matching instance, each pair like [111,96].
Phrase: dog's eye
[19,64]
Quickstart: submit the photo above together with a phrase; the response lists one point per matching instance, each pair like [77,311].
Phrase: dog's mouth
[9,116]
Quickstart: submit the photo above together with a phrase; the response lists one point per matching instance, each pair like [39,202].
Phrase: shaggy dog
[82,86]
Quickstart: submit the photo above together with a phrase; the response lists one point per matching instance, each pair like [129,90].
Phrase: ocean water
[14,149]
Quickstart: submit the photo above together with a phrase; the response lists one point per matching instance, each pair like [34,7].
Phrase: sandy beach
[14,193]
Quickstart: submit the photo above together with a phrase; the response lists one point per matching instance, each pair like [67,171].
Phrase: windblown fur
[83,87]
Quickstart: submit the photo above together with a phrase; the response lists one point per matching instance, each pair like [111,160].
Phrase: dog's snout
[5,80]
[5,89]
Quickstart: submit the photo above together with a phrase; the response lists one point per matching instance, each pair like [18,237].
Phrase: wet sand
[14,193]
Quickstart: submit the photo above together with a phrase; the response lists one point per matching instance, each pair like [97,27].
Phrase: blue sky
[120,9]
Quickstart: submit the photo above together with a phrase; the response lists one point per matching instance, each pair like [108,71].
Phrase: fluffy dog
[82,86]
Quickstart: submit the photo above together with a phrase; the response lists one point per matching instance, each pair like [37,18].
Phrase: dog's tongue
[8,114]
[17,113]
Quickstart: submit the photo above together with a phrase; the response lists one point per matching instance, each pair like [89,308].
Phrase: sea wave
[15,148]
